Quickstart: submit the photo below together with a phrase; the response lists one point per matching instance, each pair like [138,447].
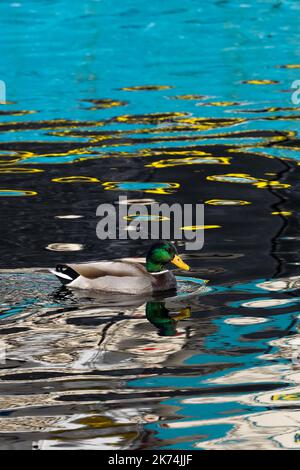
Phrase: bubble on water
[151,418]
[76,179]
[241,321]
[233,178]
[65,247]
[227,202]
[269,303]
[71,216]
[127,202]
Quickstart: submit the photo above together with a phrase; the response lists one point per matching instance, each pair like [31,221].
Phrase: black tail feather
[65,274]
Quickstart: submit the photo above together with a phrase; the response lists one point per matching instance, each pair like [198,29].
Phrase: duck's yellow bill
[180,263]
[184,313]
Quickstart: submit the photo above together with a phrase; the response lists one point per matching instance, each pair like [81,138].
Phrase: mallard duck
[123,276]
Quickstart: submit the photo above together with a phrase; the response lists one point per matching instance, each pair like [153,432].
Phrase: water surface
[175,103]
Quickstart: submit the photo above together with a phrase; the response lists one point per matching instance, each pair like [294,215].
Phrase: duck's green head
[158,315]
[160,255]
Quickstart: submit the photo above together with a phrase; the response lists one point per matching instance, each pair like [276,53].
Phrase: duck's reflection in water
[163,319]
[131,335]
[85,330]
[92,370]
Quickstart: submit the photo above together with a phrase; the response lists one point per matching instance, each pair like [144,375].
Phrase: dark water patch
[32,376]
[146,88]
[45,125]
[150,118]
[44,148]
[83,321]
[260,82]
[214,391]
[105,103]
[292,143]
[15,113]
[267,110]
[266,334]
[12,331]
[106,139]
[188,97]
[288,117]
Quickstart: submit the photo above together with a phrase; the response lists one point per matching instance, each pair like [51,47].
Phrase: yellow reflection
[222,103]
[153,152]
[273,184]
[76,179]
[79,151]
[97,422]
[199,227]
[9,160]
[290,66]
[286,397]
[146,187]
[285,213]
[233,178]
[227,202]
[17,192]
[15,113]
[20,170]
[150,117]
[183,314]
[265,140]
[207,123]
[260,82]
[171,162]
[105,103]
[244,178]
